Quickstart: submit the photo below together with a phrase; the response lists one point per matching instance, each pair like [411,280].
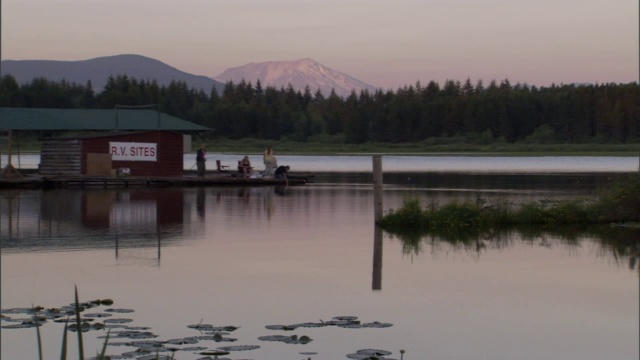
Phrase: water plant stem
[78,325]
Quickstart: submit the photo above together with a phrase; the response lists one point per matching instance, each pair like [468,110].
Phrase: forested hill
[98,70]
[485,113]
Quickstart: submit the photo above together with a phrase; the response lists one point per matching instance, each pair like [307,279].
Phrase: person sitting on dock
[244,166]
[281,172]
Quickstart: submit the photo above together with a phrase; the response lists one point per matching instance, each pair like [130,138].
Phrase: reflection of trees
[620,243]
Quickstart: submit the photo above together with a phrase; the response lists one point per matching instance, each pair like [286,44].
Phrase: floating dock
[84,181]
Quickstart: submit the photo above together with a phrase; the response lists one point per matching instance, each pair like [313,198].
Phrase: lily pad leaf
[239,347]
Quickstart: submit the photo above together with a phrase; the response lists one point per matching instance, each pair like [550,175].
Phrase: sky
[388,44]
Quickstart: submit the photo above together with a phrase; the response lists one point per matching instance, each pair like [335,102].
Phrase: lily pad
[209,327]
[97,315]
[214,352]
[134,354]
[206,327]
[360,356]
[183,341]
[20,326]
[351,326]
[374,352]
[293,339]
[119,343]
[106,302]
[120,311]
[281,327]
[377,324]
[148,345]
[142,328]
[273,338]
[132,334]
[155,357]
[310,325]
[117,321]
[84,327]
[239,347]
[217,332]
[17,311]
[192,348]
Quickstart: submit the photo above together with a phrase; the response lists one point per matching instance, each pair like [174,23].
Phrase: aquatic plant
[78,325]
[40,315]
[618,205]
[148,348]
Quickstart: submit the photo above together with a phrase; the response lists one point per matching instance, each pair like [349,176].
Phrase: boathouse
[139,142]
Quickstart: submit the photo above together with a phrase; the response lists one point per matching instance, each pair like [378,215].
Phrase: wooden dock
[84,181]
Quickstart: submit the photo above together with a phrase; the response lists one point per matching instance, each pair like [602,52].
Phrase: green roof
[35,119]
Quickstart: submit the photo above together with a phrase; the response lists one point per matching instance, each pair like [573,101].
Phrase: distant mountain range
[297,73]
[278,74]
[99,69]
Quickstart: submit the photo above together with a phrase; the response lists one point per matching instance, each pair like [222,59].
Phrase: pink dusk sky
[387,44]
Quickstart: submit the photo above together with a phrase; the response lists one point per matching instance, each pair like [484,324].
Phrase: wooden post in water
[9,170]
[377,187]
[376,280]
[376,275]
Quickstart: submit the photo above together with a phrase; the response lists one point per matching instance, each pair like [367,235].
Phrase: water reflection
[61,220]
[251,257]
[617,243]
[121,219]
[376,278]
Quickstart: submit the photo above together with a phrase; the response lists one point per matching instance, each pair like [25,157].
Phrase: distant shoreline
[433,147]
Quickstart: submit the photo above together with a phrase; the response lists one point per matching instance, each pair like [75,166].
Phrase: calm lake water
[404,163]
[254,257]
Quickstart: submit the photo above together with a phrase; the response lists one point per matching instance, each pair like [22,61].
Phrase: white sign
[131,151]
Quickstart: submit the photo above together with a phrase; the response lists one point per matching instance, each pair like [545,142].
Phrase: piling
[376,276]
[377,187]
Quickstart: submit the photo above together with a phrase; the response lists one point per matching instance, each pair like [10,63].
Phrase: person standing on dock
[270,162]
[201,158]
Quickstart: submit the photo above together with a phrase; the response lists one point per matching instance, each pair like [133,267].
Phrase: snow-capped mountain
[298,73]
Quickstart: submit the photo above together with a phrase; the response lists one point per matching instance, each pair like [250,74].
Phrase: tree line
[477,112]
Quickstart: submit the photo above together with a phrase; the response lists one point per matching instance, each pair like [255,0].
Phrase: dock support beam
[377,187]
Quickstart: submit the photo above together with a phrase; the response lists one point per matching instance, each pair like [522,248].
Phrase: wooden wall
[61,157]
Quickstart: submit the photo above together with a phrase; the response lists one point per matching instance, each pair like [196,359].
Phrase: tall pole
[376,280]
[9,169]
[377,187]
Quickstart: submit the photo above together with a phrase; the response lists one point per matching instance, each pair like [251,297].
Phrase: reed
[63,351]
[78,325]
[38,336]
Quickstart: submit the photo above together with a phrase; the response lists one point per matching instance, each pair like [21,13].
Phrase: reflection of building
[36,220]
[136,209]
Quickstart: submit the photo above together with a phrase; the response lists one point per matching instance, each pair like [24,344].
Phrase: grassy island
[620,204]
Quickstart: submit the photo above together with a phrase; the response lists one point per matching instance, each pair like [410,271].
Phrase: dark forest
[497,111]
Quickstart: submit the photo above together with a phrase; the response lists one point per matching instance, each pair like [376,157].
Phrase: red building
[149,153]
[136,142]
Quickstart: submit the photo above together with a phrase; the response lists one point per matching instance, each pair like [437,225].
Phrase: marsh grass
[620,204]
